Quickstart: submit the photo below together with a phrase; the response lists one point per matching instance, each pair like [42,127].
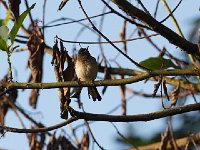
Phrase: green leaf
[4,33]
[18,23]
[3,45]
[6,19]
[155,63]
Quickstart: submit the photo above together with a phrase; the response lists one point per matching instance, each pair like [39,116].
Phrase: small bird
[86,69]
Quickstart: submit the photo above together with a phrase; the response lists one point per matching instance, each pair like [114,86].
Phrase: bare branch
[135,118]
[170,35]
[17,130]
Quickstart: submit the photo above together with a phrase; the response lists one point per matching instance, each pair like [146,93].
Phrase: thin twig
[119,41]
[94,27]
[171,13]
[93,137]
[73,21]
[124,138]
[143,7]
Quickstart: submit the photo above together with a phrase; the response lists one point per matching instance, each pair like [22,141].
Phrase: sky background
[48,105]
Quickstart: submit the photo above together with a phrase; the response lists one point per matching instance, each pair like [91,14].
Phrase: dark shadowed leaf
[14,7]
[155,63]
[36,140]
[36,47]
[3,45]
[5,100]
[18,23]
[62,4]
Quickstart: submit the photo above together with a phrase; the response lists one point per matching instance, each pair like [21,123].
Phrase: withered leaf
[14,7]
[107,76]
[61,143]
[165,89]
[37,141]
[156,87]
[85,141]
[64,143]
[123,97]
[59,58]
[165,137]
[36,47]
[62,4]
[4,102]
[174,94]
[53,143]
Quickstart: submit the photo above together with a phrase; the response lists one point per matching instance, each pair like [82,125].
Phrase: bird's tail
[94,93]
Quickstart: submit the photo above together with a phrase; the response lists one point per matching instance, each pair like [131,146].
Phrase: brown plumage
[86,69]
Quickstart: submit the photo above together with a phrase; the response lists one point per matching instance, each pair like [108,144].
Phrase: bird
[86,69]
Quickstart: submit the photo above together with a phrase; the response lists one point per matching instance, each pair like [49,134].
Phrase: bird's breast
[86,70]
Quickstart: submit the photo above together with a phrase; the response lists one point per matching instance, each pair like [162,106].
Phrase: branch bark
[117,82]
[45,129]
[164,31]
[134,118]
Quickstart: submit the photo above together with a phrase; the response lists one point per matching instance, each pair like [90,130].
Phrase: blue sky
[48,106]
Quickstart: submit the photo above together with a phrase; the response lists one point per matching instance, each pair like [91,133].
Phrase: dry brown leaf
[107,76]
[85,141]
[4,102]
[62,75]
[53,143]
[61,143]
[165,89]
[165,138]
[14,7]
[36,48]
[123,97]
[174,95]
[65,144]
[62,4]
[36,141]
[156,87]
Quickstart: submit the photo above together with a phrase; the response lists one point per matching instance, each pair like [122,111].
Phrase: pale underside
[86,70]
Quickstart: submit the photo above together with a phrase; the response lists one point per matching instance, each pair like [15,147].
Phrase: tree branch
[116,82]
[135,118]
[17,130]
[167,33]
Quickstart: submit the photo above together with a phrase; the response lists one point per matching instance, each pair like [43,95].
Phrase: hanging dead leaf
[62,4]
[85,141]
[107,76]
[68,74]
[36,47]
[156,87]
[64,143]
[62,75]
[4,102]
[174,95]
[14,7]
[61,143]
[165,89]
[36,140]
[53,143]
[165,138]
